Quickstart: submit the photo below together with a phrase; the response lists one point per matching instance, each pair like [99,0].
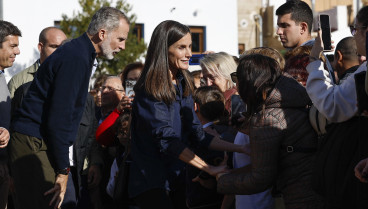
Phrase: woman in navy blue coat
[164,122]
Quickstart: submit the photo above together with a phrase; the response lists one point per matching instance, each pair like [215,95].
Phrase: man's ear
[39,46]
[303,27]
[339,56]
[102,34]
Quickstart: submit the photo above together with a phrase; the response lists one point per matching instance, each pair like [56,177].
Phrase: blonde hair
[220,64]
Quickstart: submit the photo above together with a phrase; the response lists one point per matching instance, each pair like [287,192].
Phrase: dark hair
[296,66]
[348,49]
[155,78]
[257,76]
[211,102]
[362,16]
[128,68]
[6,29]
[106,17]
[299,10]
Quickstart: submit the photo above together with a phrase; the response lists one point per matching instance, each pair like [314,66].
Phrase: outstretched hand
[220,168]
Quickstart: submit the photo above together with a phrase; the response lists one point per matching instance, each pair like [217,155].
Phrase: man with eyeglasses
[112,91]
[345,142]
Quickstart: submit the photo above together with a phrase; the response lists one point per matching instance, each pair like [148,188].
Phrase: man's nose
[279,31]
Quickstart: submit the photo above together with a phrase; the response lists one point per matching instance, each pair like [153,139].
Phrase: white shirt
[337,103]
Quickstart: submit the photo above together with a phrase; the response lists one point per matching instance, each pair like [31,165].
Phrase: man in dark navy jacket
[47,123]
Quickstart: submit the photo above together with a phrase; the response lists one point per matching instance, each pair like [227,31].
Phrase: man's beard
[106,49]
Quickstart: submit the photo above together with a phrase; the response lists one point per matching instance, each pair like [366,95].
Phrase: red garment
[227,94]
[105,133]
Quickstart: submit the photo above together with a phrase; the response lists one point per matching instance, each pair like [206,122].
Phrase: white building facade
[217,20]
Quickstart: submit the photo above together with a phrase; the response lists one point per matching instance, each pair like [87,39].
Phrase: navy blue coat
[160,133]
[52,108]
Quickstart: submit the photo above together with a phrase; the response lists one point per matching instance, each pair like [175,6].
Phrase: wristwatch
[64,171]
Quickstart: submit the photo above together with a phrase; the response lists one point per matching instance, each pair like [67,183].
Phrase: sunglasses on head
[234,77]
[353,28]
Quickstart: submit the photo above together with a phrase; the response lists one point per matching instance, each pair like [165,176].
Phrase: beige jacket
[22,77]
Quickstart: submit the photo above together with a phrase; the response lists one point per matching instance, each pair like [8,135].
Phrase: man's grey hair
[107,18]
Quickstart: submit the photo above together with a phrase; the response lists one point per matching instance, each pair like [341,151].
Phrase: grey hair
[107,18]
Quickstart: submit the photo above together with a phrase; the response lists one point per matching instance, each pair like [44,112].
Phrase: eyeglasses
[353,29]
[102,88]
[210,77]
[234,77]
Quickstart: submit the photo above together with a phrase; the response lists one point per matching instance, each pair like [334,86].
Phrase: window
[198,39]
[138,30]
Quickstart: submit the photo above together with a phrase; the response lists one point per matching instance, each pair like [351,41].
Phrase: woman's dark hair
[362,16]
[128,68]
[257,75]
[155,78]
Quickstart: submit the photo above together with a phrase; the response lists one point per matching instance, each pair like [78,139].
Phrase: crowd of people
[259,131]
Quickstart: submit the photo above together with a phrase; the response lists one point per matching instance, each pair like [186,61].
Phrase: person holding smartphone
[106,132]
[337,103]
[345,142]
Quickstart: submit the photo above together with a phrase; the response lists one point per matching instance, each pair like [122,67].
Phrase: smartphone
[195,59]
[326,31]
[129,85]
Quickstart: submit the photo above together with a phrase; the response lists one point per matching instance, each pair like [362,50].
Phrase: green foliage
[77,24]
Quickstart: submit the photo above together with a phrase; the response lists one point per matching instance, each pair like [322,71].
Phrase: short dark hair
[347,48]
[128,68]
[155,79]
[257,75]
[6,29]
[211,102]
[362,16]
[299,10]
